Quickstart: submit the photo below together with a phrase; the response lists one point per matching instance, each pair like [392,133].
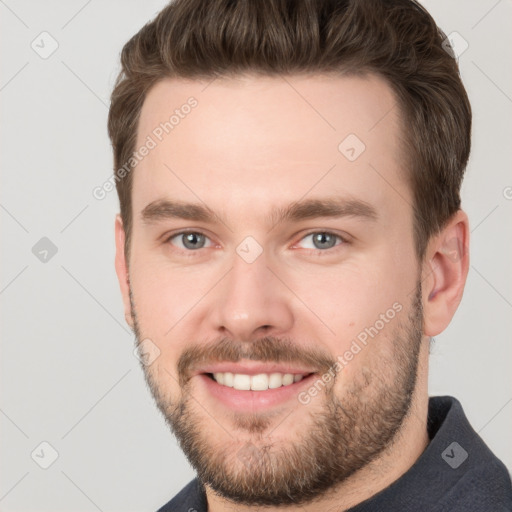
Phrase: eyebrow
[333,207]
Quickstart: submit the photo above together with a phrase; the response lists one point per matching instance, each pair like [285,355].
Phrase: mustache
[267,349]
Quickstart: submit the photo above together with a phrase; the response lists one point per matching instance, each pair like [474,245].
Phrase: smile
[259,382]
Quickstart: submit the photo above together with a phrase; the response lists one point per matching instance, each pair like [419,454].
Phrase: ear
[122,270]
[445,270]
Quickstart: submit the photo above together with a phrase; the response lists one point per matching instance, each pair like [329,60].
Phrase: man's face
[322,304]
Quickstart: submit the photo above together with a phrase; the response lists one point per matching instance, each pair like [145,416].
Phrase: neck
[392,463]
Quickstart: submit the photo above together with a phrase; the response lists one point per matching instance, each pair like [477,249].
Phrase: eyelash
[318,252]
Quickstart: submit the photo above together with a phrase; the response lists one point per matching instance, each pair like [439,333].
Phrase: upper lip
[254,368]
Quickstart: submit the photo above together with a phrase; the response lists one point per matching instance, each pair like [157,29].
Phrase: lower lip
[250,400]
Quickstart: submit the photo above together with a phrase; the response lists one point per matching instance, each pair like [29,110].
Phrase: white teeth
[259,382]
[275,380]
[241,381]
[287,379]
[228,379]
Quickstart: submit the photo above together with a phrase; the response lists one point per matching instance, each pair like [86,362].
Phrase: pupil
[324,238]
[192,240]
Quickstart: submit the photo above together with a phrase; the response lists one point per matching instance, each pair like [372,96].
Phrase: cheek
[363,304]
[159,307]
[152,301]
[163,294]
[351,297]
[168,306]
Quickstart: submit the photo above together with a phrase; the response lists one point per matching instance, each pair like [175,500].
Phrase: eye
[322,240]
[189,240]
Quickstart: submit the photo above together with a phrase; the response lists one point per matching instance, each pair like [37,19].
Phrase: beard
[333,439]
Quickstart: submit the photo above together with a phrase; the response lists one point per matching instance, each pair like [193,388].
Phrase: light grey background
[68,374]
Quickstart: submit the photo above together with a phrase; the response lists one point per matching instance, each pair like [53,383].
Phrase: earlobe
[122,269]
[445,272]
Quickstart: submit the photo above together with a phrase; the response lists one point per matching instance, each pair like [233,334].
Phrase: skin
[253,143]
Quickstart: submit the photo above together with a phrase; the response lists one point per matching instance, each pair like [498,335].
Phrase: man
[290,240]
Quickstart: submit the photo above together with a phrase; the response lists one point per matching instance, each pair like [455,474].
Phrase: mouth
[258,382]
[252,389]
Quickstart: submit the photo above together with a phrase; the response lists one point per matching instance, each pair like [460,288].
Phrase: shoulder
[190,499]
[482,488]
[475,478]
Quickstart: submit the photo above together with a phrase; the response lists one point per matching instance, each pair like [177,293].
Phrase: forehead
[270,140]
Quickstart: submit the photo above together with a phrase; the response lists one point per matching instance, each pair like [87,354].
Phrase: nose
[251,302]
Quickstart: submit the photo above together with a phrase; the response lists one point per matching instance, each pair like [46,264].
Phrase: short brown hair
[395,39]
